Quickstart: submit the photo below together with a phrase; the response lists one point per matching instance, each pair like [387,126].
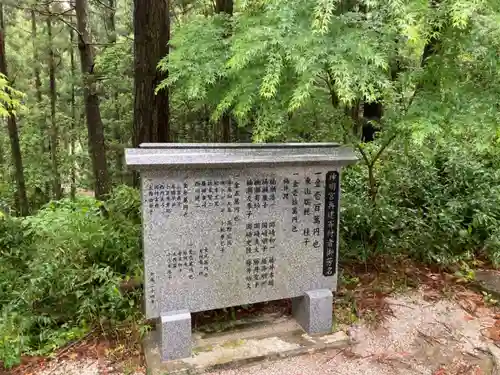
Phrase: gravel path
[420,337]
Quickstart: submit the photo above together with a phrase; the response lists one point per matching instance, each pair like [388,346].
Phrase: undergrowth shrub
[61,271]
[438,204]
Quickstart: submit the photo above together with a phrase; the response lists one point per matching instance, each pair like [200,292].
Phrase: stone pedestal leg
[314,311]
[175,335]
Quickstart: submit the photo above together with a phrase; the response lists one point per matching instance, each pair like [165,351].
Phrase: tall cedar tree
[95,126]
[151,38]
[110,22]
[73,109]
[54,131]
[21,199]
[38,89]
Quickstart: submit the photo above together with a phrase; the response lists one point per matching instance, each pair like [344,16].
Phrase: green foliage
[10,99]
[289,68]
[275,63]
[297,70]
[61,270]
[438,203]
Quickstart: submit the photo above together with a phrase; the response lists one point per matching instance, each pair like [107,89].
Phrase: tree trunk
[54,131]
[38,91]
[36,67]
[151,38]
[224,6]
[72,136]
[22,199]
[95,126]
[2,160]
[110,21]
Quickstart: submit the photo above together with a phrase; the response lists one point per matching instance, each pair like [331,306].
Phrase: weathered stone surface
[264,338]
[175,335]
[488,280]
[175,156]
[228,226]
[215,251]
[313,311]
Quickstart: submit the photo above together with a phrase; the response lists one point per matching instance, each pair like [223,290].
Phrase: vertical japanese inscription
[260,237]
[307,203]
[209,193]
[182,262]
[237,199]
[164,198]
[226,235]
[203,266]
[250,190]
[317,199]
[295,204]
[152,288]
[331,223]
[260,272]
[231,192]
[185,206]
[260,194]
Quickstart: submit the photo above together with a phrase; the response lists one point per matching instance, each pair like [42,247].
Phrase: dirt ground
[420,337]
[438,328]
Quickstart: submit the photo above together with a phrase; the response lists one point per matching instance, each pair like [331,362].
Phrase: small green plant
[348,280]
[489,299]
[345,310]
[465,273]
[61,271]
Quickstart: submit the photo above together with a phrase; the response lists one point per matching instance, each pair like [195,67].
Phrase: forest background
[412,85]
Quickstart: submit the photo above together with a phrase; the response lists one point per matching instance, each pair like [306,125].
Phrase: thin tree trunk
[111,29]
[38,90]
[36,67]
[22,199]
[54,131]
[72,136]
[95,126]
[2,156]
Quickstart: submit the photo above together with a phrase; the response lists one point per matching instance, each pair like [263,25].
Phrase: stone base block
[235,344]
[175,335]
[314,311]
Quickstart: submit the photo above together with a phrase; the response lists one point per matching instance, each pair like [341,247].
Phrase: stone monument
[233,224]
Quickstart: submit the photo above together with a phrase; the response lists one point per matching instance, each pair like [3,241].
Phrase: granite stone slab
[225,146]
[175,334]
[229,225]
[224,237]
[313,311]
[174,157]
